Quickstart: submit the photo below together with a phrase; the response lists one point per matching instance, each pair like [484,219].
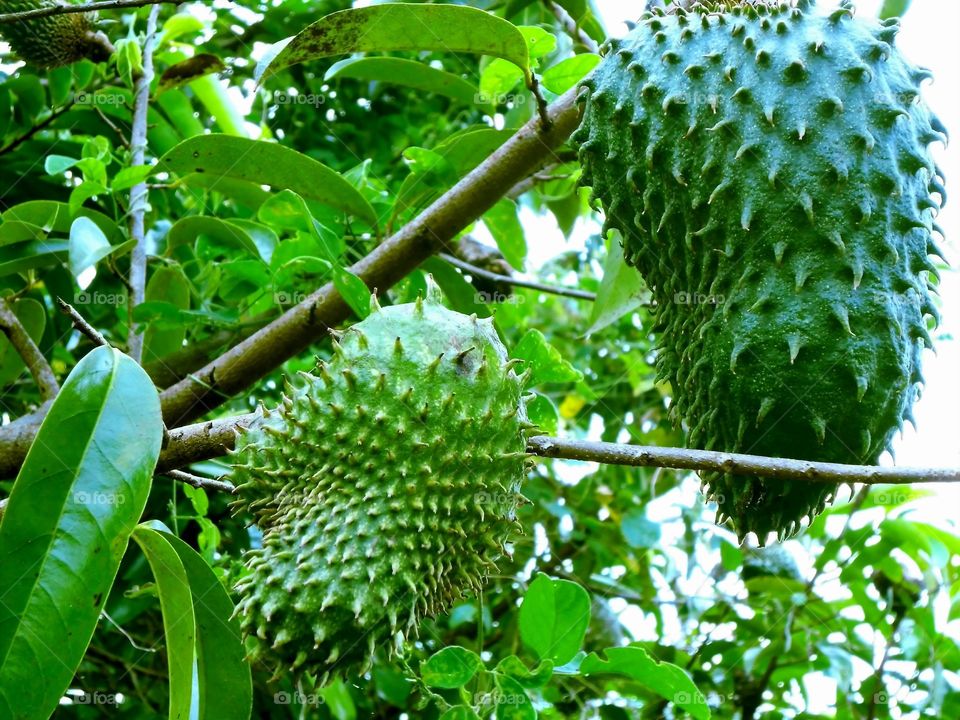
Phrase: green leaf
[502,222]
[515,668]
[460,712]
[186,230]
[621,290]
[169,285]
[205,653]
[544,360]
[731,557]
[353,290]
[567,73]
[33,317]
[58,164]
[497,80]
[512,701]
[539,41]
[400,27]
[130,176]
[28,255]
[78,496]
[638,530]
[337,698]
[554,617]
[267,163]
[15,231]
[543,413]
[451,667]
[666,680]
[408,73]
[894,8]
[179,623]
[88,245]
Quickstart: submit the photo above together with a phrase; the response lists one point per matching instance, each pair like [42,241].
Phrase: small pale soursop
[386,487]
[767,167]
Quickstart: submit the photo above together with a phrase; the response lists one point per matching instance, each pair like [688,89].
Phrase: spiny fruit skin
[385,487]
[767,168]
[54,40]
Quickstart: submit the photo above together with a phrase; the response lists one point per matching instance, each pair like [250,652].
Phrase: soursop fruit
[54,40]
[767,167]
[385,487]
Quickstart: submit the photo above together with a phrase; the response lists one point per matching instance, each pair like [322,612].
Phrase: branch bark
[65,9]
[736,463]
[396,257]
[139,192]
[27,349]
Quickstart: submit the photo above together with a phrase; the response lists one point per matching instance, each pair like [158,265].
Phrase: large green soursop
[385,487]
[767,167]
[53,40]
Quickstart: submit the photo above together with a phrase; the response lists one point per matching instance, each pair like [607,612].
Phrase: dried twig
[80,324]
[201,482]
[517,282]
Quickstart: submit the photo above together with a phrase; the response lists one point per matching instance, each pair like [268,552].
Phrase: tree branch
[27,349]
[571,26]
[139,192]
[201,482]
[396,257]
[80,324]
[57,9]
[517,282]
[738,464]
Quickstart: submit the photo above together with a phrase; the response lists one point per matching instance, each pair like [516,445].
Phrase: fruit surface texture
[767,168]
[53,40]
[385,487]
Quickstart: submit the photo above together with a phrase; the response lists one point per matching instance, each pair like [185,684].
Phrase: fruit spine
[767,167]
[385,487]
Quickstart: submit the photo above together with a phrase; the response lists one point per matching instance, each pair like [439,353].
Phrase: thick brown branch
[397,256]
[776,468]
[27,349]
[138,193]
[64,9]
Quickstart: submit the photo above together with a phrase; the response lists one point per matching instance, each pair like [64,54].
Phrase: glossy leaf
[512,701]
[401,27]
[451,667]
[567,73]
[88,245]
[211,668]
[266,163]
[353,290]
[666,680]
[553,618]
[409,73]
[544,360]
[167,284]
[621,291]
[73,507]
[33,317]
[502,222]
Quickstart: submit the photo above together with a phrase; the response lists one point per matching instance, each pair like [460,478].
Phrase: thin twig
[201,482]
[139,192]
[66,9]
[80,324]
[571,26]
[543,108]
[113,126]
[735,463]
[14,144]
[517,282]
[27,349]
